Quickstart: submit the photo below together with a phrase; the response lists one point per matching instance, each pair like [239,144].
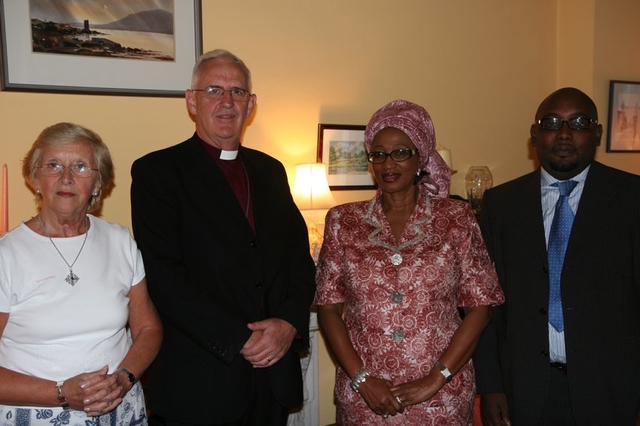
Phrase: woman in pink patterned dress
[392,273]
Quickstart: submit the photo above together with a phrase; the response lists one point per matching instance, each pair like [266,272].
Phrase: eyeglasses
[397,155]
[217,92]
[555,123]
[80,170]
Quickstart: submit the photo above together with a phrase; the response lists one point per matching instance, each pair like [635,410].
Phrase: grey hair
[65,134]
[218,54]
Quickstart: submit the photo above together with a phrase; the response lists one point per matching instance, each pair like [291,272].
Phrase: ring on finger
[385,415]
[110,402]
[399,400]
[100,412]
[268,360]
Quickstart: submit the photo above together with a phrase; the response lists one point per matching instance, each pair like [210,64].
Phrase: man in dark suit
[227,259]
[584,369]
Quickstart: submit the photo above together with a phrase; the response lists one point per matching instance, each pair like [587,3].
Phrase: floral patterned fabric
[401,299]
[130,412]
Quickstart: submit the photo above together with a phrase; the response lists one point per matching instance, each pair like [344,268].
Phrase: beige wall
[480,68]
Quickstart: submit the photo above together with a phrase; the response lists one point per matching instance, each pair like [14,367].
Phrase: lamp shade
[311,190]
[445,154]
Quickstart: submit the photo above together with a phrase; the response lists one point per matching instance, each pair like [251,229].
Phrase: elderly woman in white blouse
[77,326]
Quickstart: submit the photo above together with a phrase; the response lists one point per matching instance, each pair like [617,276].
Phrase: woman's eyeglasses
[397,155]
[80,170]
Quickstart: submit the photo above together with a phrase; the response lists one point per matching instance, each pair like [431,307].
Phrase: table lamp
[312,196]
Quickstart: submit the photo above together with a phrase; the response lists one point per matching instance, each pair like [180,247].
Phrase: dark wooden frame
[623,130]
[354,175]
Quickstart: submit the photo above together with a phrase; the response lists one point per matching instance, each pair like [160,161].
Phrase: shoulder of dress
[351,207]
[448,204]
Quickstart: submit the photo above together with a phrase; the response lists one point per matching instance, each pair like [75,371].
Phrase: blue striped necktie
[558,239]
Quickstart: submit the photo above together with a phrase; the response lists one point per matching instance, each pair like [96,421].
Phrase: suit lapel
[597,196]
[266,188]
[221,198]
[530,205]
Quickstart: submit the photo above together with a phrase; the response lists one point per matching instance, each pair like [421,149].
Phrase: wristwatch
[444,371]
[130,375]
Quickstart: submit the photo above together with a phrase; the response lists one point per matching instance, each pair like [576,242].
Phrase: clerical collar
[228,155]
[217,153]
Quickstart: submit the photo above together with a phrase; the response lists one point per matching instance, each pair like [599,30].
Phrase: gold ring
[100,412]
[110,402]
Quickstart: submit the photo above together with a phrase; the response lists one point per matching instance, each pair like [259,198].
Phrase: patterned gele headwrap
[416,123]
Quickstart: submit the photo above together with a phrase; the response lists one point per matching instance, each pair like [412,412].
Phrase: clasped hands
[96,392]
[385,399]
[269,341]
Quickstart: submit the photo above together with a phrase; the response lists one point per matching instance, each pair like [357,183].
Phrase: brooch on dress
[396,259]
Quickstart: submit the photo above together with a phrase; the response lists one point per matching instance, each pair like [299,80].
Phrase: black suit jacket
[209,275]
[600,294]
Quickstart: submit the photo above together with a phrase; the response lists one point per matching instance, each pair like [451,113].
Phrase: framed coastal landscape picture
[119,47]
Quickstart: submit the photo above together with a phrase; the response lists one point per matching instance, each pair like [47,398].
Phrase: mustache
[563,147]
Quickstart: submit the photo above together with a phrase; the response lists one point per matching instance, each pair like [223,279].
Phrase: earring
[95,194]
[419,172]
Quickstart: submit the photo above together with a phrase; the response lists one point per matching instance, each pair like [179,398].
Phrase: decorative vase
[477,180]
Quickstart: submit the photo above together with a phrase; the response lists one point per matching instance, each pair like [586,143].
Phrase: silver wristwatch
[444,371]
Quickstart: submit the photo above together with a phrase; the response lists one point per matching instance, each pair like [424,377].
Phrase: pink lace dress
[401,299]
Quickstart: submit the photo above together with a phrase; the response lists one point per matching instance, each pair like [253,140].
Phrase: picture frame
[40,54]
[341,148]
[623,133]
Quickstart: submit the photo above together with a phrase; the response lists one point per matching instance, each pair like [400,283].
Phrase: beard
[565,165]
[563,159]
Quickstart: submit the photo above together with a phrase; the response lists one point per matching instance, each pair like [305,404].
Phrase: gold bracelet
[62,400]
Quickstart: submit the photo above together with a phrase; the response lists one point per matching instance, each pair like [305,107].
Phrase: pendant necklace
[72,278]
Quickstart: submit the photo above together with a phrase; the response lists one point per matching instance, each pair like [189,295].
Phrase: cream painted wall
[480,68]
[596,44]
[616,57]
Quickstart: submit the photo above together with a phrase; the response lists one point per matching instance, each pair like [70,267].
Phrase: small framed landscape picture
[623,133]
[341,148]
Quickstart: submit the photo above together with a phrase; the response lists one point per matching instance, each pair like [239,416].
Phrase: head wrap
[416,123]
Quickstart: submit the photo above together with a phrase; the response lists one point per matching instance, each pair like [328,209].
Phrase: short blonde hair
[64,134]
